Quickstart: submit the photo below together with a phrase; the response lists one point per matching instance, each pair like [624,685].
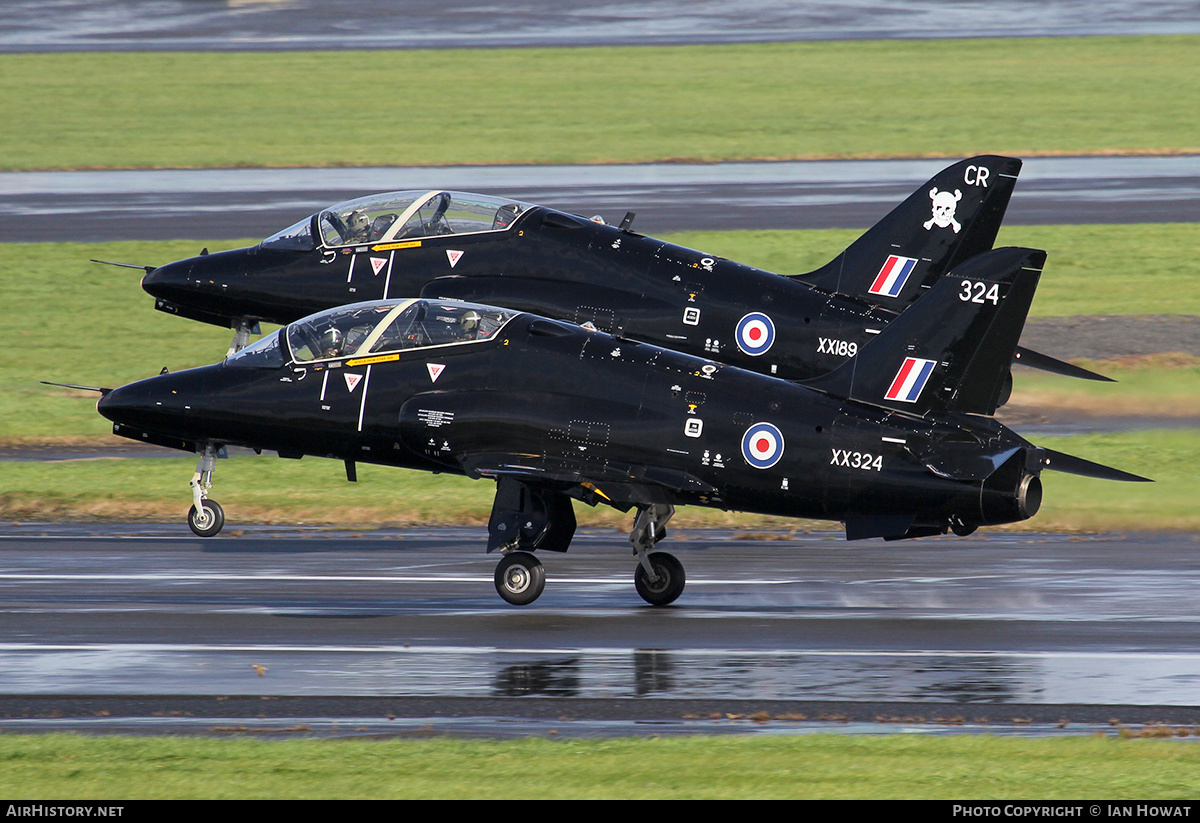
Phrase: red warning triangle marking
[454,257]
[377,263]
[435,371]
[352,381]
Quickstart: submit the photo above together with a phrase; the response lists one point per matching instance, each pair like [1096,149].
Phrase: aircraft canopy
[383,326]
[398,216]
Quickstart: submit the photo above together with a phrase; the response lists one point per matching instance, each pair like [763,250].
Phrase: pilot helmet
[505,215]
[358,223]
[331,341]
[469,323]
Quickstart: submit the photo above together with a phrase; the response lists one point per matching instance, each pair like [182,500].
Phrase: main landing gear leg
[206,517]
[241,336]
[525,519]
[659,577]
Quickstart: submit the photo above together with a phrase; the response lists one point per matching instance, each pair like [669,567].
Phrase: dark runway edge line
[566,710]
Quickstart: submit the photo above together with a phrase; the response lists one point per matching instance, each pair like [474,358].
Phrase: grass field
[266,489]
[79,322]
[1100,269]
[896,98]
[767,767]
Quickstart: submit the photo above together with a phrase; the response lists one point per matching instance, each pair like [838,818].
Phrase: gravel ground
[1096,337]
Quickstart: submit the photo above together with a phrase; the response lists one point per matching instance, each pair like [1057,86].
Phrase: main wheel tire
[520,578]
[669,585]
[207,521]
[960,528]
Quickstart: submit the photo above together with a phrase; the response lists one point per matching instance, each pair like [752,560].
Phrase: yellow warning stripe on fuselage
[367,361]
[408,244]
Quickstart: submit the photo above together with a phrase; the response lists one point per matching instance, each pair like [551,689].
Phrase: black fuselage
[600,418]
[555,265]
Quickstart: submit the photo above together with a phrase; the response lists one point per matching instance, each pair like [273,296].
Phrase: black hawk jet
[473,247]
[897,442]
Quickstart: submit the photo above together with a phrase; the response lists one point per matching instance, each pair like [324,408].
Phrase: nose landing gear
[206,517]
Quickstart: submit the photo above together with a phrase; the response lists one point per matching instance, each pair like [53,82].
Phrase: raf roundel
[755,333]
[762,445]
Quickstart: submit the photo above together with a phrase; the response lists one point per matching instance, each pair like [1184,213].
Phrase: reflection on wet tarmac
[982,622]
[966,679]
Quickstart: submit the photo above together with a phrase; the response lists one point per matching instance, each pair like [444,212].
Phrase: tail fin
[952,350]
[952,218]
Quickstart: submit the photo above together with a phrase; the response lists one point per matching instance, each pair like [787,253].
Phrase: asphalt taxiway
[214,204]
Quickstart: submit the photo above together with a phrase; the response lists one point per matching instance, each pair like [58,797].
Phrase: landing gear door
[428,428]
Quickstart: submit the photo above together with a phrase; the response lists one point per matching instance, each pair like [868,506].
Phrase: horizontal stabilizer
[1069,464]
[1043,362]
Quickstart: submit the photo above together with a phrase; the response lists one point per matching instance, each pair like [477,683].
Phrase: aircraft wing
[621,485]
[460,429]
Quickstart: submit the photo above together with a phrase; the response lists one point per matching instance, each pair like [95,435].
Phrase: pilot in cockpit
[332,343]
[358,228]
[468,325]
[505,215]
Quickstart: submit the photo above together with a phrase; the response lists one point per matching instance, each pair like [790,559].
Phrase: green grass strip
[1169,458]
[78,322]
[895,98]
[313,491]
[1090,269]
[731,767]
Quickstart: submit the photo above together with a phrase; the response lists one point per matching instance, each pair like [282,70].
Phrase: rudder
[953,349]
[950,219]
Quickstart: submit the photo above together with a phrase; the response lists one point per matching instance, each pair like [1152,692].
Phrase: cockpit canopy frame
[397,217]
[388,326]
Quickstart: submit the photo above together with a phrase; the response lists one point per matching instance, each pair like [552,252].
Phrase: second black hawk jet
[897,442]
[455,245]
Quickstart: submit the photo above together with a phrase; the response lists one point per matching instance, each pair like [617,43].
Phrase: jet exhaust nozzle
[1013,492]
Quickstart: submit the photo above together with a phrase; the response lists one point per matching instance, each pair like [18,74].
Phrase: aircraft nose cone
[155,404]
[169,281]
[208,287]
[126,404]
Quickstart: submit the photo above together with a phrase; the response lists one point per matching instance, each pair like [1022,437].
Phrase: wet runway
[262,25]
[216,204]
[1005,628]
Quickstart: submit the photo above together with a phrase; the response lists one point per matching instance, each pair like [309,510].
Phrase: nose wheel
[520,578]
[206,520]
[206,517]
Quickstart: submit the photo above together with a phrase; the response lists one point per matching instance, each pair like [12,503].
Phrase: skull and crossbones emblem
[944,204]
